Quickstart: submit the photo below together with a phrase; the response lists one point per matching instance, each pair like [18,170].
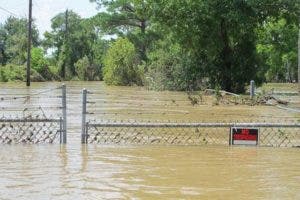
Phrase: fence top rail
[29,120]
[187,125]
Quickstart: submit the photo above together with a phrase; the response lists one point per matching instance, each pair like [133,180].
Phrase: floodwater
[95,172]
[76,171]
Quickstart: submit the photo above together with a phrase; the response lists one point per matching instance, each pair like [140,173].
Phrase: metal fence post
[86,132]
[60,129]
[83,123]
[252,89]
[230,136]
[64,110]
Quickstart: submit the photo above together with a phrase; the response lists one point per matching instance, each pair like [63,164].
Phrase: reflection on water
[101,172]
[94,172]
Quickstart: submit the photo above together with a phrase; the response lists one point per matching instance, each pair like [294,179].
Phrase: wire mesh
[29,131]
[275,135]
[157,135]
[31,116]
[280,136]
[117,108]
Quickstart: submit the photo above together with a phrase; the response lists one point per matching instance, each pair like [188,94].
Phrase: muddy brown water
[76,171]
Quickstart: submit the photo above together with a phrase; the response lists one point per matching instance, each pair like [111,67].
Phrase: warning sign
[244,136]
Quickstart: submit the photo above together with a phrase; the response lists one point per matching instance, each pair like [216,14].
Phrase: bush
[168,69]
[85,71]
[38,61]
[121,64]
[13,73]
[55,71]
[41,65]
[18,73]
[81,67]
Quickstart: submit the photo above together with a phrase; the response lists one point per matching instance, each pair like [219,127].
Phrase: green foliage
[81,67]
[12,73]
[120,64]
[99,49]
[54,70]
[182,45]
[166,69]
[277,46]
[129,18]
[38,61]
[86,71]
[41,65]
[220,35]
[72,38]
[17,73]
[13,40]
[218,95]
[3,77]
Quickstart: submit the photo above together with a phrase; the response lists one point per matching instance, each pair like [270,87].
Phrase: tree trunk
[226,59]
[143,45]
[2,56]
[299,60]
[288,75]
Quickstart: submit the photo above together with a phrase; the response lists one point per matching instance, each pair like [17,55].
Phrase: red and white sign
[244,136]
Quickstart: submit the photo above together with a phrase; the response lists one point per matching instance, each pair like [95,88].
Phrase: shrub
[167,69]
[18,73]
[81,68]
[86,71]
[38,61]
[121,64]
[55,71]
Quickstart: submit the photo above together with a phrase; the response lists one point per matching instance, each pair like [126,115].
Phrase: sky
[44,10]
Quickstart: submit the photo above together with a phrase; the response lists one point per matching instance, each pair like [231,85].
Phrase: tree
[130,18]
[13,40]
[68,41]
[120,64]
[277,46]
[168,67]
[299,59]
[72,38]
[63,26]
[219,35]
[3,57]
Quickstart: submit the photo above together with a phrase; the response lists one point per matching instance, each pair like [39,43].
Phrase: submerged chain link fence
[30,131]
[33,118]
[156,133]
[275,135]
[166,133]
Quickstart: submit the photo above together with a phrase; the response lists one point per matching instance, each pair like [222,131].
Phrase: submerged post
[60,130]
[252,89]
[83,123]
[64,112]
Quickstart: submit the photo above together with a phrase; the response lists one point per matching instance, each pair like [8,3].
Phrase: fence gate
[162,133]
[33,118]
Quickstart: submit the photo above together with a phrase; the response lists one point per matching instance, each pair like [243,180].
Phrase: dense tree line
[163,44]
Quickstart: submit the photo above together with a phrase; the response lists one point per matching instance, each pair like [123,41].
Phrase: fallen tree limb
[223,91]
[279,101]
[289,109]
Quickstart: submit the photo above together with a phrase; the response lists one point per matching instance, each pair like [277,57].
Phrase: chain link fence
[282,133]
[274,135]
[30,131]
[34,118]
